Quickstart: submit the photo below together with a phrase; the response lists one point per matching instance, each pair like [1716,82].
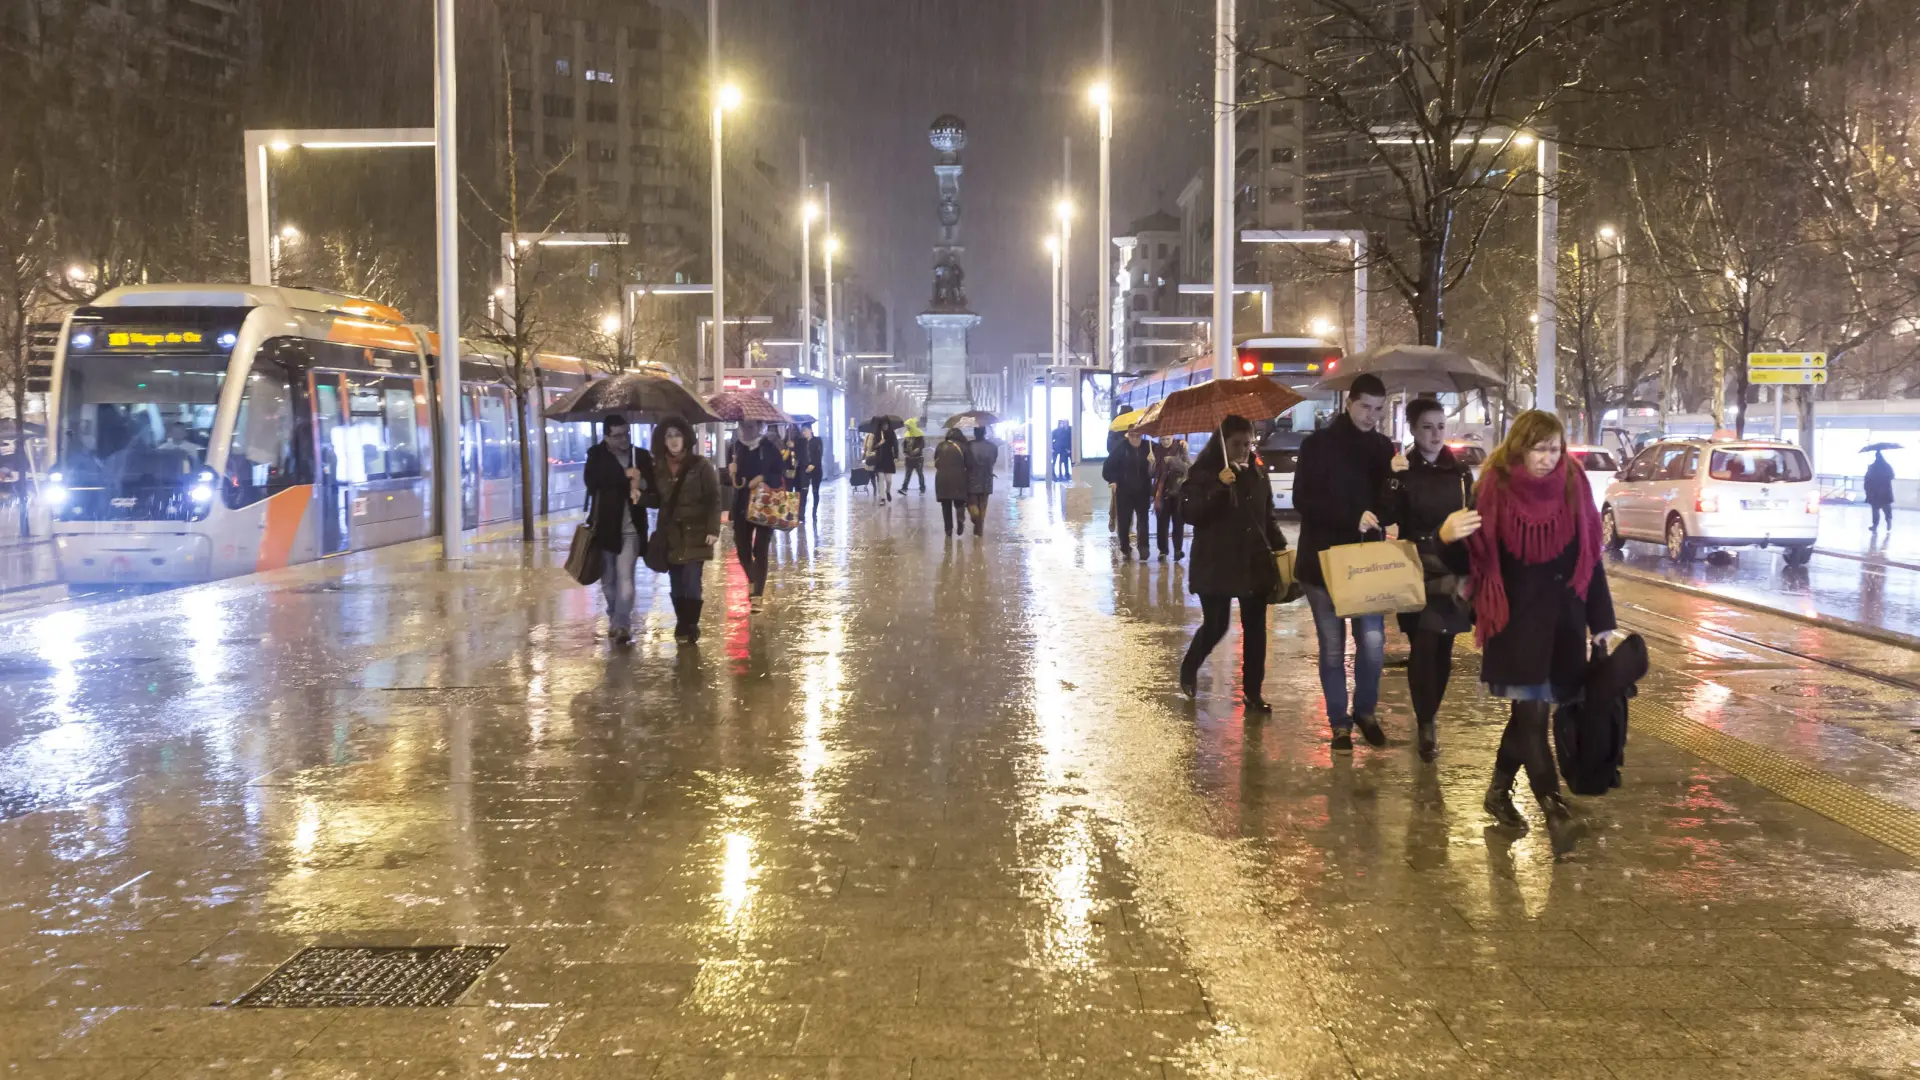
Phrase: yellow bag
[1287,589]
[1381,578]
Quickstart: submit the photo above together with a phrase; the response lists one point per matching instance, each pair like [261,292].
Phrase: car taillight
[1704,503]
[1813,503]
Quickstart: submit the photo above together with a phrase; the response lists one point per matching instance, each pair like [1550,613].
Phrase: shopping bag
[1287,588]
[774,508]
[1382,578]
[584,563]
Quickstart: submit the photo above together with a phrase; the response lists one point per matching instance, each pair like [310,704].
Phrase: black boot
[1499,802]
[1429,733]
[691,620]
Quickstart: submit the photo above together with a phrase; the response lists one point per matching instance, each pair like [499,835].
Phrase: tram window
[260,460]
[403,429]
[382,433]
[499,454]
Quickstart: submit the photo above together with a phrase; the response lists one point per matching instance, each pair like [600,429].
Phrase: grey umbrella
[1415,369]
[646,396]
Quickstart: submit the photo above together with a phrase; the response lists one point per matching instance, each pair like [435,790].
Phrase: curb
[1825,622]
[1870,560]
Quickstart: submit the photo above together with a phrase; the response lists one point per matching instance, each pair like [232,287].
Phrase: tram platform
[939,812]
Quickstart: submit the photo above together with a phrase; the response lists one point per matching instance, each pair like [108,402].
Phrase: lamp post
[260,142]
[1224,224]
[1102,96]
[1063,309]
[1612,237]
[724,97]
[1546,384]
[446,169]
[1053,320]
[808,212]
[828,248]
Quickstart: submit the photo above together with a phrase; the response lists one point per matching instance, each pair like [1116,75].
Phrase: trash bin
[1023,470]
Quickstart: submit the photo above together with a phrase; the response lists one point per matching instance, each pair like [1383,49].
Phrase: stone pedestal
[950,391]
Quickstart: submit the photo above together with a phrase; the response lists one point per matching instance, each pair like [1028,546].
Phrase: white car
[1693,494]
[1600,467]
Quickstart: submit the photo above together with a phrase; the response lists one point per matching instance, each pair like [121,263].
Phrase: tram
[1295,362]
[205,431]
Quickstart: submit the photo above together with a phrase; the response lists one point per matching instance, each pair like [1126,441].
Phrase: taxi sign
[1787,377]
[1757,361]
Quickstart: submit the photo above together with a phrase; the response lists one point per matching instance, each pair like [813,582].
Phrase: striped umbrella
[1203,407]
[737,405]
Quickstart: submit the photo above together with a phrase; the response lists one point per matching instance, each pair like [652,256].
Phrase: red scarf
[1532,520]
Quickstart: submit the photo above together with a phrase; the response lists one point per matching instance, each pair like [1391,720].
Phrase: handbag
[1381,578]
[773,508]
[660,545]
[1287,588]
[584,563]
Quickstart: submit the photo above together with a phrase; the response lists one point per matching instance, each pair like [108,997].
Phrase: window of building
[562,185]
[522,99]
[556,147]
[602,112]
[1139,301]
[646,39]
[646,155]
[563,67]
[599,151]
[1279,195]
[1159,251]
[590,30]
[596,75]
[1281,116]
[1282,155]
[609,191]
[557,106]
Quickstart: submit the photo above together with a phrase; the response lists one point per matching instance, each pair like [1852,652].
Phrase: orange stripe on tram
[284,511]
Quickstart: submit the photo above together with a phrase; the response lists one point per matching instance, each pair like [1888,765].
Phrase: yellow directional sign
[1758,360]
[1787,377]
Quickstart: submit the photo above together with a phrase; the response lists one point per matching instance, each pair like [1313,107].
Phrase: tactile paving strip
[325,977]
[1894,825]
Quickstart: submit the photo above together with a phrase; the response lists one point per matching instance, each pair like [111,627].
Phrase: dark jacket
[1061,440]
[1235,533]
[950,470]
[1337,479]
[764,462]
[608,491]
[981,456]
[885,452]
[689,509]
[913,450]
[1549,628]
[1879,485]
[1130,469]
[808,457]
[1169,476]
[1419,501]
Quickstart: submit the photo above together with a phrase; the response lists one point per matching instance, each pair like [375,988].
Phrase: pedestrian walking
[618,476]
[687,494]
[913,457]
[1129,476]
[883,459]
[1169,476]
[809,459]
[1337,479]
[1879,491]
[1540,598]
[950,481]
[753,462]
[1429,502]
[1060,459]
[1229,501]
[982,455]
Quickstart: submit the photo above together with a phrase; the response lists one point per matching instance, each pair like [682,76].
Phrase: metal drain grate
[324,977]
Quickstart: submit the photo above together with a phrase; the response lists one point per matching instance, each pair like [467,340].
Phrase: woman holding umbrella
[753,462]
[1229,502]
[619,480]
[885,458]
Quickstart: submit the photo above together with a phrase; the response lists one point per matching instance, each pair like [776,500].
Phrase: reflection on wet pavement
[938,813]
[1872,593]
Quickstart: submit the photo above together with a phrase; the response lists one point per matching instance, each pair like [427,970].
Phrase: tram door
[330,487]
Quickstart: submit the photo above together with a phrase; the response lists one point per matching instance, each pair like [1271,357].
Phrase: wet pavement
[1871,592]
[938,813]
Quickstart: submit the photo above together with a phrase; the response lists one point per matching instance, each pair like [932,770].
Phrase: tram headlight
[56,493]
[202,490]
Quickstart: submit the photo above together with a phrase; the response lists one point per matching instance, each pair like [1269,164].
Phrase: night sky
[862,79]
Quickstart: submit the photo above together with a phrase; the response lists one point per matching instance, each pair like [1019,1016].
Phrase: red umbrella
[1201,408]
[739,405]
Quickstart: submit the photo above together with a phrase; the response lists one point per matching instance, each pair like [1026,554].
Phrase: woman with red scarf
[1540,598]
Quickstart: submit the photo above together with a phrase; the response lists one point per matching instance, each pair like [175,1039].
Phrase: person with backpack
[689,500]
[1429,502]
[1229,502]
[1540,602]
[1169,475]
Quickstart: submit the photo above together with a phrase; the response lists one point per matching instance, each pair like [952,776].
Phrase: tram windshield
[134,432]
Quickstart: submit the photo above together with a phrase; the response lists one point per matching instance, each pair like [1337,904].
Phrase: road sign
[1756,361]
[1787,377]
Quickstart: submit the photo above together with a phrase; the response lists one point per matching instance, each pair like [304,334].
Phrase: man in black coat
[1060,463]
[619,476]
[1129,473]
[1340,473]
[1879,490]
[809,457]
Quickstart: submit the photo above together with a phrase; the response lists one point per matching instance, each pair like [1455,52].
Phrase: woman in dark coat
[753,460]
[885,459]
[688,497]
[950,480]
[1429,501]
[618,477]
[1229,503]
[1540,599]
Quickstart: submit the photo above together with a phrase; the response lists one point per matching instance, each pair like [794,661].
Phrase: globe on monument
[948,134]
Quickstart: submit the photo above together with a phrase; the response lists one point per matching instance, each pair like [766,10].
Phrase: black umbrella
[803,419]
[643,395]
[1879,446]
[880,425]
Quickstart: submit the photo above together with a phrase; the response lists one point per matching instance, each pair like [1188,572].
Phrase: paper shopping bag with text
[1382,578]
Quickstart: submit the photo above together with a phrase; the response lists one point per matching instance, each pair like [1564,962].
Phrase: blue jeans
[1370,655]
[683,580]
[616,583]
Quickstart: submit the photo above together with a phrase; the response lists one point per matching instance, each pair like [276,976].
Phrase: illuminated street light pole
[1063,311]
[1102,96]
[1612,237]
[1547,272]
[829,247]
[1224,223]
[1058,250]
[446,168]
[259,142]
[725,97]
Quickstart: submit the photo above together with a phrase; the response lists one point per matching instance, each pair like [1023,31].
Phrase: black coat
[808,456]
[981,457]
[1337,478]
[764,462]
[886,452]
[1419,501]
[913,450]
[1235,532]
[608,491]
[1879,485]
[1549,629]
[1130,469]
[950,470]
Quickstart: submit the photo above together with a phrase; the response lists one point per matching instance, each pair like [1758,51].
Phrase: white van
[1696,494]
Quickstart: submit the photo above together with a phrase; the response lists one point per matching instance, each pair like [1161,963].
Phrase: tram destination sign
[152,339]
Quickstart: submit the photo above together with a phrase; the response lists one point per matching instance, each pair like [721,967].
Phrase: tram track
[1637,623]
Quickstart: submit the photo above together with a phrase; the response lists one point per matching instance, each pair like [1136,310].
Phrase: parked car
[1694,494]
[1470,453]
[1600,466]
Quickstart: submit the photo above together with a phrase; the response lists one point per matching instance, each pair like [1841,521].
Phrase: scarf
[1532,520]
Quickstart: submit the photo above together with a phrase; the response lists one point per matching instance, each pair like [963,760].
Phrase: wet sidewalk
[938,813]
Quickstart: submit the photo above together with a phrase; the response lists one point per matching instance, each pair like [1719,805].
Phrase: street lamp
[1053,342]
[1102,97]
[1063,310]
[1613,238]
[259,142]
[809,213]
[725,96]
[1322,328]
[1225,29]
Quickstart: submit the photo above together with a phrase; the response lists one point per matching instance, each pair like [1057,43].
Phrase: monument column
[948,319]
